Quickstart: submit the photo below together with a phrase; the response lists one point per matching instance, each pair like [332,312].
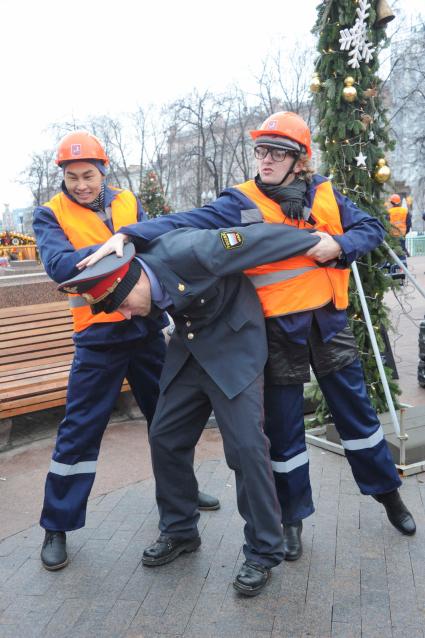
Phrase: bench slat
[36,309]
[39,343]
[33,373]
[42,403]
[16,337]
[46,362]
[48,322]
[56,349]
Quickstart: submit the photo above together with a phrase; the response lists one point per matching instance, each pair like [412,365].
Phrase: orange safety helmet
[395,199]
[286,124]
[80,145]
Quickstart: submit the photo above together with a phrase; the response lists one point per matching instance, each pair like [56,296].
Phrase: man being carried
[215,360]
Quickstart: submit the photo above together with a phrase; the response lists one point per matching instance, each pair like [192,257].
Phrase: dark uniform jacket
[216,310]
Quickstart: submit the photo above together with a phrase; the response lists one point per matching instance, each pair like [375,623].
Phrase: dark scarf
[290,198]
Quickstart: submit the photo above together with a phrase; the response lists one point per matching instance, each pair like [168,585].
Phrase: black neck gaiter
[290,198]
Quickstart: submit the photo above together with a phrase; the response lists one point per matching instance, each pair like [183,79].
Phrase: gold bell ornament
[315,83]
[349,92]
[382,172]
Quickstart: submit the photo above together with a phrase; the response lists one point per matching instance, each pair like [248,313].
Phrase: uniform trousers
[95,381]
[182,412]
[359,428]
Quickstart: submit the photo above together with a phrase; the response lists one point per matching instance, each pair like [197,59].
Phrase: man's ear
[299,167]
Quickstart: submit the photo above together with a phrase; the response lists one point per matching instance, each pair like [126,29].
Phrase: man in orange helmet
[400,220]
[304,300]
[108,348]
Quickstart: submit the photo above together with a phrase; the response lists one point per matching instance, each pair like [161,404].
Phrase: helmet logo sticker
[272,125]
[75,149]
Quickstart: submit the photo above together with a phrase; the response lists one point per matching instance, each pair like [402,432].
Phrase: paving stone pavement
[358,577]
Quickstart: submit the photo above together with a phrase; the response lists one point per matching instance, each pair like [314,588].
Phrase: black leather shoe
[53,552]
[251,578]
[206,502]
[292,545]
[166,549]
[397,512]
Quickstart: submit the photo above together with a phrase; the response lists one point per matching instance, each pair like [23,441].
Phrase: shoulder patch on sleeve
[231,239]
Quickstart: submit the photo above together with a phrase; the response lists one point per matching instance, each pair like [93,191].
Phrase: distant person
[108,348]
[400,220]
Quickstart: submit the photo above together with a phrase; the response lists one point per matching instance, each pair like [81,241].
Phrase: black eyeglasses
[277,154]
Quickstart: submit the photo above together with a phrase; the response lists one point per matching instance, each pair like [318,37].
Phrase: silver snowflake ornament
[356,38]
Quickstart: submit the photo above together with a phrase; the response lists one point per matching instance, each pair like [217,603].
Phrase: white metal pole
[375,348]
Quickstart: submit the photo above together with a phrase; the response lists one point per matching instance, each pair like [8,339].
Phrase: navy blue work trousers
[357,423]
[95,382]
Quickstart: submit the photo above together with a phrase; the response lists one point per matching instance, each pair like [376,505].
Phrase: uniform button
[188,324]
[190,336]
[202,300]
[181,287]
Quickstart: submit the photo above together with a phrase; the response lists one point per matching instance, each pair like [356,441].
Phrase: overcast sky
[91,57]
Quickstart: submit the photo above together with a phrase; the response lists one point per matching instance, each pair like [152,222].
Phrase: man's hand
[326,250]
[115,244]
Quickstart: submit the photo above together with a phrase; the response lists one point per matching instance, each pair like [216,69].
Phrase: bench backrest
[36,351]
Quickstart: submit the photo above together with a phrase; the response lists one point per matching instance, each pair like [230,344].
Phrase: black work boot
[206,502]
[292,545]
[53,552]
[166,549]
[252,578]
[397,512]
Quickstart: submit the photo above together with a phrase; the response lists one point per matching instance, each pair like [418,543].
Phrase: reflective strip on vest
[284,467]
[76,301]
[364,444]
[83,467]
[278,275]
[298,284]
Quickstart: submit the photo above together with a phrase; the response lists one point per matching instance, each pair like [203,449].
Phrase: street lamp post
[206,198]
[21,221]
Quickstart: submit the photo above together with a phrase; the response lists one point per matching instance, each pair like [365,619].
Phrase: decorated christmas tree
[353,138]
[152,195]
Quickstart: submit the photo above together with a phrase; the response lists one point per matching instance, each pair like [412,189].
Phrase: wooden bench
[36,351]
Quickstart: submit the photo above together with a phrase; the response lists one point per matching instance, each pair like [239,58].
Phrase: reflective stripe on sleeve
[283,467]
[279,275]
[77,301]
[84,467]
[363,444]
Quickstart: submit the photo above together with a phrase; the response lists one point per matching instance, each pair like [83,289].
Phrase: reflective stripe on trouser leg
[360,431]
[93,388]
[284,425]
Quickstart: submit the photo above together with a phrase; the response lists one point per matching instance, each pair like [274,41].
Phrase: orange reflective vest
[299,283]
[83,228]
[398,221]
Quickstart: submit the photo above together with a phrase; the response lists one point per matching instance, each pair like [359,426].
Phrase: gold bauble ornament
[382,173]
[315,84]
[349,92]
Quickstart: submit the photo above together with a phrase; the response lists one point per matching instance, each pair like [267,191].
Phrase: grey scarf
[290,198]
